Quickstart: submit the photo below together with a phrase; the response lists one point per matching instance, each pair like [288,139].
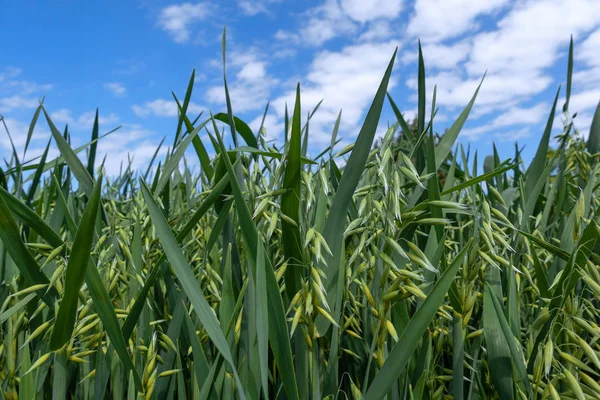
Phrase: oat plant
[396,271]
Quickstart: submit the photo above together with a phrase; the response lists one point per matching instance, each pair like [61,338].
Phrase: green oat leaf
[335,224]
[593,143]
[290,206]
[29,268]
[75,272]
[398,358]
[187,281]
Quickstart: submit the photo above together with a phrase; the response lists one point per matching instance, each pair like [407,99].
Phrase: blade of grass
[36,115]
[187,280]
[158,267]
[240,127]
[510,340]
[399,356]
[37,176]
[272,154]
[593,143]
[569,76]
[290,206]
[447,142]
[536,168]
[75,271]
[172,163]
[30,218]
[93,146]
[75,164]
[153,158]
[262,323]
[478,179]
[29,268]
[17,307]
[421,101]
[335,223]
[403,125]
[183,109]
[278,331]
[498,354]
[102,301]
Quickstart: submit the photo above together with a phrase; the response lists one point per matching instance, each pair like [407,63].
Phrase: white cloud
[503,126]
[531,34]
[18,93]
[273,126]
[18,132]
[84,120]
[347,80]
[512,135]
[517,52]
[245,95]
[474,133]
[518,116]
[436,20]
[251,88]
[16,102]
[585,100]
[26,87]
[344,18]
[453,90]
[442,56]
[116,88]
[255,7]
[177,18]
[8,83]
[364,11]
[321,24]
[62,115]
[589,77]
[252,71]
[9,73]
[589,50]
[132,140]
[379,30]
[163,108]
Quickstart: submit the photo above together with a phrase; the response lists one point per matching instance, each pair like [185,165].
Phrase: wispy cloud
[255,7]
[365,11]
[346,81]
[11,83]
[162,108]
[116,88]
[16,102]
[320,24]
[9,73]
[437,20]
[177,18]
[251,86]
[132,142]
[18,132]
[129,66]
[84,120]
[343,18]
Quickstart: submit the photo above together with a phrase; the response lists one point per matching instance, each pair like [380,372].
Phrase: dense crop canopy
[390,269]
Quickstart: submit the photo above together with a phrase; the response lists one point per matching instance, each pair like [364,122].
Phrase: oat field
[394,271]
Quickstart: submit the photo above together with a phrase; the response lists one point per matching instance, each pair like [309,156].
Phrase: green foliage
[395,270]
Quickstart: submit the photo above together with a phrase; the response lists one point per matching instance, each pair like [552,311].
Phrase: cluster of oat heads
[271,274]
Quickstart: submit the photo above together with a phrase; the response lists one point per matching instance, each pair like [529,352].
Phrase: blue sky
[125,57]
